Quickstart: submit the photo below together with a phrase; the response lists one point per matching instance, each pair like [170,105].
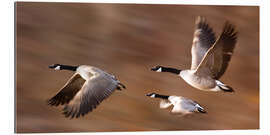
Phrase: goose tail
[200,109]
[120,86]
[224,87]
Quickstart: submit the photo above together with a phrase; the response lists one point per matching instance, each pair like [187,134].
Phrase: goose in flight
[181,105]
[85,90]
[210,57]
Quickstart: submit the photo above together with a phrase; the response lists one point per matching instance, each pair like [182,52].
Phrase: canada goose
[181,105]
[210,57]
[85,90]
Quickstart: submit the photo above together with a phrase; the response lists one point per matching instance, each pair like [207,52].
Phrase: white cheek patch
[159,70]
[57,68]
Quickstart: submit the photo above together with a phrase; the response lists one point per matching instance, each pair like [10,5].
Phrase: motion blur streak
[128,40]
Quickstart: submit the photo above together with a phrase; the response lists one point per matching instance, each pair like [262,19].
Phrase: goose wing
[93,92]
[164,104]
[217,58]
[68,91]
[188,104]
[184,106]
[203,39]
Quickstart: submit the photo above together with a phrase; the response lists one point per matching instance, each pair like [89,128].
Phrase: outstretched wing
[94,91]
[203,39]
[68,91]
[216,60]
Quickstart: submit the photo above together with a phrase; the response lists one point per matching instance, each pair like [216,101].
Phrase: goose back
[202,81]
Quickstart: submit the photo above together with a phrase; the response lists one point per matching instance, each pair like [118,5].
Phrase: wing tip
[52,102]
[200,22]
[229,34]
[202,25]
[70,113]
[200,19]
[230,29]
[57,100]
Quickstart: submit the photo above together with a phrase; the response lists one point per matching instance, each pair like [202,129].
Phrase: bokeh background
[127,40]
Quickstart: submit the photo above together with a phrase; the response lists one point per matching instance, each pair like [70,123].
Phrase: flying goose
[181,105]
[85,90]
[210,57]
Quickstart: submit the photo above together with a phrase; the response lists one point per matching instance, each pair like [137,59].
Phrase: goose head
[55,67]
[157,68]
[152,95]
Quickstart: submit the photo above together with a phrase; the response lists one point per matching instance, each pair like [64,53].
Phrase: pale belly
[201,83]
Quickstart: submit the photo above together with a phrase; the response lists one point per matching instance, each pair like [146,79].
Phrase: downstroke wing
[92,94]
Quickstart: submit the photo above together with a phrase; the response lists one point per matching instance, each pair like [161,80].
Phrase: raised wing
[68,91]
[216,60]
[203,39]
[90,96]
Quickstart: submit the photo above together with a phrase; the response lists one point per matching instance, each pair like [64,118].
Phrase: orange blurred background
[127,40]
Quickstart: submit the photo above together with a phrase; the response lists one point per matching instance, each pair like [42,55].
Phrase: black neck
[171,70]
[161,96]
[66,67]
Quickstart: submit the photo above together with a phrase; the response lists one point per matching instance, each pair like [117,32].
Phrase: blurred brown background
[127,40]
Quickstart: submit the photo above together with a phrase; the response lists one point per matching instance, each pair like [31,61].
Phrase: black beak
[51,66]
[154,69]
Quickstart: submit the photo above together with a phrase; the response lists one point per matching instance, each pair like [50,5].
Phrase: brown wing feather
[228,41]
[203,39]
[68,91]
[92,94]
[217,58]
